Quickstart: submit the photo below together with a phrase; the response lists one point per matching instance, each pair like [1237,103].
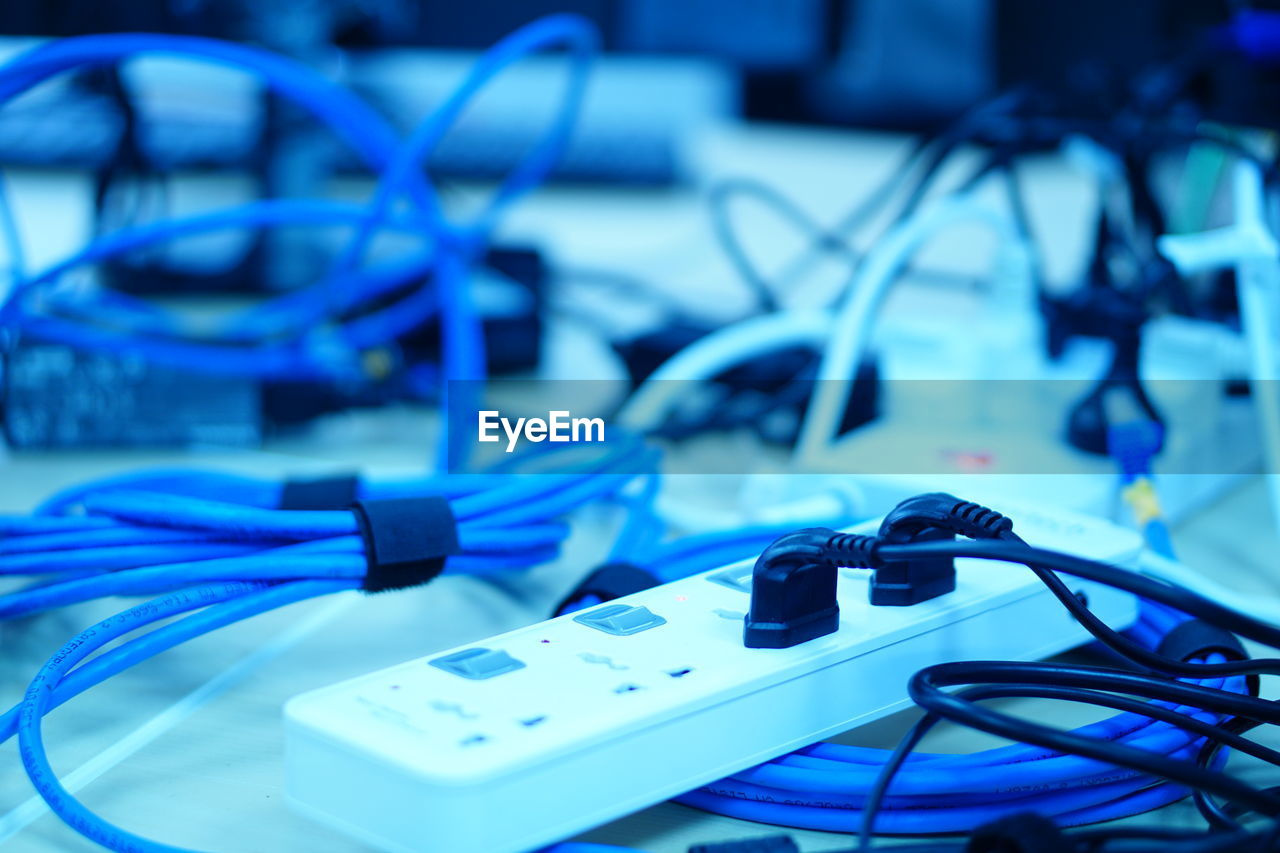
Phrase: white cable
[719,351]
[883,264]
[733,345]
[1249,246]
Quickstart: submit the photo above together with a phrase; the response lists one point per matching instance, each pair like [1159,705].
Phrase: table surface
[187,748]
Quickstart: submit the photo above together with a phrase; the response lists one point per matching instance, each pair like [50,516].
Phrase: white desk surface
[206,772]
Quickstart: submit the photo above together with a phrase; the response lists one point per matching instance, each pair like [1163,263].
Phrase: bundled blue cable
[825,786]
[140,534]
[216,562]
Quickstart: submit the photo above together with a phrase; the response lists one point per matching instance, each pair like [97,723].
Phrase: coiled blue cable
[40,693]
[131,541]
[67,674]
[822,787]
[322,554]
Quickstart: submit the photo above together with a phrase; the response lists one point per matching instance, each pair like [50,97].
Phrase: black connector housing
[793,588]
[767,394]
[907,583]
[932,517]
[793,592]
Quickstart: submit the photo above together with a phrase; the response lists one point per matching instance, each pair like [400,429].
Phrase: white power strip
[529,737]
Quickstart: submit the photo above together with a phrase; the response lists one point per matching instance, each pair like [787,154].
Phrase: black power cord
[794,576]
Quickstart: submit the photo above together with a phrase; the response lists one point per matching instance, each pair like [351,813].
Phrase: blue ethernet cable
[462,342]
[301,308]
[328,353]
[40,692]
[289,341]
[346,115]
[342,112]
[1133,444]
[130,541]
[362,128]
[67,674]
[141,648]
[824,786]
[572,31]
[59,538]
[227,591]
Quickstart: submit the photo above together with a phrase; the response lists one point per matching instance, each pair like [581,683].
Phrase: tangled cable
[319,331]
[1189,701]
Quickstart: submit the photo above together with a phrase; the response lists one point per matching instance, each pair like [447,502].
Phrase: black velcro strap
[406,540]
[610,581]
[320,493]
[1196,638]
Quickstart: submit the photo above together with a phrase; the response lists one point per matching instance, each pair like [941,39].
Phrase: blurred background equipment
[809,261]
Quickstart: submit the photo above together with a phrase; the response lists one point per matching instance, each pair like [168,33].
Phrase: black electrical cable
[957,709]
[966,129]
[1217,814]
[720,197]
[1082,684]
[1101,687]
[1045,689]
[1018,674]
[942,145]
[926,691]
[1044,563]
[1103,632]
[833,241]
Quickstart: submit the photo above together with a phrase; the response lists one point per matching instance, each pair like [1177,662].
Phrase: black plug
[932,517]
[793,586]
[793,592]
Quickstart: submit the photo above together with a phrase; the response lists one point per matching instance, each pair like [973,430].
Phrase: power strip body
[562,726]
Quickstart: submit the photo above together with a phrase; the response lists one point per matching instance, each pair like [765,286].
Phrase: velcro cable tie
[1196,638]
[320,493]
[406,540]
